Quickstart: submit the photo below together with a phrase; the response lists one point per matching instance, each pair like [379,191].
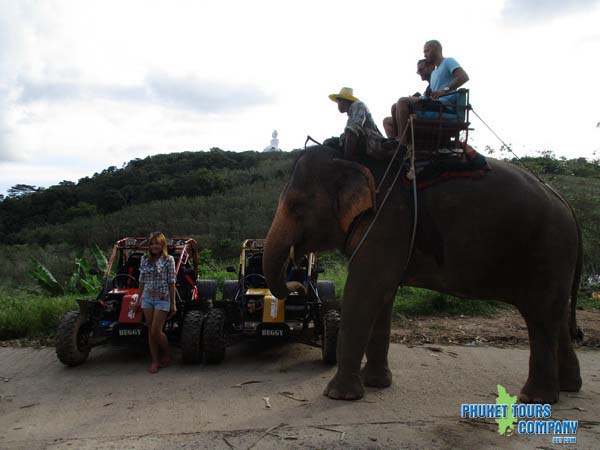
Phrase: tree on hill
[19,190]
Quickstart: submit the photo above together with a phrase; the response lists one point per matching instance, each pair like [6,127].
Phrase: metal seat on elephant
[440,126]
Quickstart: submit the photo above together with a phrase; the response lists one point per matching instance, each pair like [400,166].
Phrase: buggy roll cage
[254,246]
[183,246]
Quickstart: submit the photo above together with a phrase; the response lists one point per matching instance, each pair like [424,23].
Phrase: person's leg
[149,315]
[389,123]
[159,337]
[402,112]
[388,126]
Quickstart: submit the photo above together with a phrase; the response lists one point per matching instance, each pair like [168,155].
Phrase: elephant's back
[507,201]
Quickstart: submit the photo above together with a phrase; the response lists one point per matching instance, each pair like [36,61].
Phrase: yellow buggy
[248,308]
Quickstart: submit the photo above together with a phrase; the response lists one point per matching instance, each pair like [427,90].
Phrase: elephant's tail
[575,331]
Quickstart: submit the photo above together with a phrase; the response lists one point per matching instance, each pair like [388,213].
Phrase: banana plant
[80,281]
[100,258]
[89,283]
[44,278]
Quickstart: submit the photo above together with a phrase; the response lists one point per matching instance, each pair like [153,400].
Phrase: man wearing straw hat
[360,122]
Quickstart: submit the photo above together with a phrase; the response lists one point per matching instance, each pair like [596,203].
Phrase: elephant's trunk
[280,239]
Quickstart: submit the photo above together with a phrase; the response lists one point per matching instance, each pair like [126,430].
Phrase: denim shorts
[155,303]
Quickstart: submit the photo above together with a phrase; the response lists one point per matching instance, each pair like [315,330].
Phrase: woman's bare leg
[149,315]
[159,337]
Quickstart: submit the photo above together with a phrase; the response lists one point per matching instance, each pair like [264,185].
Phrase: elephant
[505,236]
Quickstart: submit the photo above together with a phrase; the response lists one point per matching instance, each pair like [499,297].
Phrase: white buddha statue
[274,147]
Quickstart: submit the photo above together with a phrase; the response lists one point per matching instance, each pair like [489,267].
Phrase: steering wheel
[258,276]
[125,276]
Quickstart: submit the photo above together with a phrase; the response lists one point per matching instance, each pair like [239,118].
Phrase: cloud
[5,152]
[188,93]
[10,35]
[526,11]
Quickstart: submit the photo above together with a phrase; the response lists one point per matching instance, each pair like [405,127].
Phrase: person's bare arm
[460,78]
[141,289]
[171,282]
[172,294]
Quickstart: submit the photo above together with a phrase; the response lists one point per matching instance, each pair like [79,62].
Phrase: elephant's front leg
[376,372]
[363,300]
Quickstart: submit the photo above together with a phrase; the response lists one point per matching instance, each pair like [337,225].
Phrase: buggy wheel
[72,339]
[207,289]
[191,337]
[230,288]
[331,326]
[214,336]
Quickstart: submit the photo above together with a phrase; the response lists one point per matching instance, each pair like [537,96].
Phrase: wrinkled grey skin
[503,237]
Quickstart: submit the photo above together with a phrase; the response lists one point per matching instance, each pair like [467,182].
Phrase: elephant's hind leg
[569,375]
[376,372]
[542,384]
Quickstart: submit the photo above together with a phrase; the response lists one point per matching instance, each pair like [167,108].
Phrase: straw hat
[346,93]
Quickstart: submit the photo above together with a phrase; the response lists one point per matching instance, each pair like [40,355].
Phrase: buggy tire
[329,340]
[230,288]
[207,290]
[191,337]
[72,346]
[213,336]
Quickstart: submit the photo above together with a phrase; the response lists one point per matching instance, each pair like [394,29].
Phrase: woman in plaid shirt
[157,291]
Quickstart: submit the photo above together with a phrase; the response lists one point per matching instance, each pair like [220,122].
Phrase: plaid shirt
[360,120]
[157,276]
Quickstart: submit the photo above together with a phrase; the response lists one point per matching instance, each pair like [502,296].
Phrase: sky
[85,85]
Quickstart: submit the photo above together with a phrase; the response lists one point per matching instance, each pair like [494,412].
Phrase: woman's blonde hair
[157,236]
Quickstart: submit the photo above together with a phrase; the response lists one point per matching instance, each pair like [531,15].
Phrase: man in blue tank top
[447,76]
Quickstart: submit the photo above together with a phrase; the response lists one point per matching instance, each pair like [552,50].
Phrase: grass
[423,302]
[24,314]
[587,302]
[27,314]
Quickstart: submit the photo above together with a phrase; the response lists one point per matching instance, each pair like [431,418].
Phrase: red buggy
[116,315]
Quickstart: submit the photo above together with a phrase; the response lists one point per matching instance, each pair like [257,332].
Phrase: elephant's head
[315,211]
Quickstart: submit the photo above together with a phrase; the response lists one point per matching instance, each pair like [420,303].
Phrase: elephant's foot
[531,394]
[570,380]
[379,377]
[345,387]
[569,374]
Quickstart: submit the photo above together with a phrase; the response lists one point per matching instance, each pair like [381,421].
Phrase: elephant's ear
[356,191]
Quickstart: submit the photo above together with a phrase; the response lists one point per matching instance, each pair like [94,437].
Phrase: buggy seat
[132,268]
[299,273]
[254,267]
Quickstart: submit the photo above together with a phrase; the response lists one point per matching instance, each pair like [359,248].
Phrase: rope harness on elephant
[508,147]
[309,138]
[576,332]
[409,156]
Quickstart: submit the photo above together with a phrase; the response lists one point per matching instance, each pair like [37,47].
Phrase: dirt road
[111,402]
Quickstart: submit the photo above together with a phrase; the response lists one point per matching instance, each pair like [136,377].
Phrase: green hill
[139,182]
[217,197]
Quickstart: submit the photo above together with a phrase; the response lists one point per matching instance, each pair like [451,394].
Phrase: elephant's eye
[295,205]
